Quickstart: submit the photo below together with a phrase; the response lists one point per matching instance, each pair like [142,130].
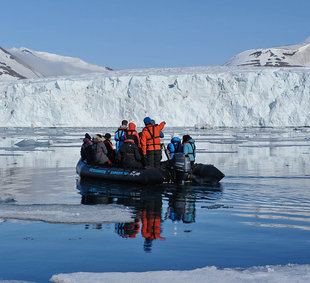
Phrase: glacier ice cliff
[216,96]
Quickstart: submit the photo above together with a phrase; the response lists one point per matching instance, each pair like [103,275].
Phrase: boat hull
[139,176]
[200,173]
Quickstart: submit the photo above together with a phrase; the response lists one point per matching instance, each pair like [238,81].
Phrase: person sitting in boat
[87,151]
[128,155]
[120,135]
[150,141]
[189,148]
[133,134]
[108,144]
[100,151]
[174,146]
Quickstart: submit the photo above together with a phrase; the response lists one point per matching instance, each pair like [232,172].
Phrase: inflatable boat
[178,170]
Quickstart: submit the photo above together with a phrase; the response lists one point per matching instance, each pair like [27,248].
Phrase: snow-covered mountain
[297,55]
[50,65]
[11,68]
[204,96]
[23,63]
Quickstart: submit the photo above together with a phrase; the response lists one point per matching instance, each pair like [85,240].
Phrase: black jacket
[87,151]
[128,155]
[111,150]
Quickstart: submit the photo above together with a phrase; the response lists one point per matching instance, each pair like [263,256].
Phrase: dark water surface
[259,215]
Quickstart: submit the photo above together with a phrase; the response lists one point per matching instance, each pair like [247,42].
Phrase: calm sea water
[259,215]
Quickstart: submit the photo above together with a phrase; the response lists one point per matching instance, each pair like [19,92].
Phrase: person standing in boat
[189,148]
[120,135]
[128,155]
[87,151]
[111,151]
[161,134]
[100,151]
[150,142]
[174,146]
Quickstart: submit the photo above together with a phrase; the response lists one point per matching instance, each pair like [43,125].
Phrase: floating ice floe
[6,198]
[284,274]
[70,214]
[202,126]
[32,143]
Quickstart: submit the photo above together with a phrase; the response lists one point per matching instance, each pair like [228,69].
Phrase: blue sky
[125,34]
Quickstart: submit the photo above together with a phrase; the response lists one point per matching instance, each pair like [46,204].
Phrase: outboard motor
[181,167]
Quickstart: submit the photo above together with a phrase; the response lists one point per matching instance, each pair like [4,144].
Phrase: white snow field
[297,55]
[213,96]
[48,64]
[284,274]
[12,68]
[23,63]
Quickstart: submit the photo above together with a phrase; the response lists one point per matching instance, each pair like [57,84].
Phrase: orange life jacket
[150,138]
[132,132]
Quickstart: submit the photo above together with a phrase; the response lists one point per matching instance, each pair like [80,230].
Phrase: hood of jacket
[97,139]
[132,126]
[86,140]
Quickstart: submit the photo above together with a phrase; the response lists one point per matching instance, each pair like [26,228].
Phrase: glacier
[206,96]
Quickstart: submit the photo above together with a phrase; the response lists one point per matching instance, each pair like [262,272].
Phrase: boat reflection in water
[181,206]
[147,203]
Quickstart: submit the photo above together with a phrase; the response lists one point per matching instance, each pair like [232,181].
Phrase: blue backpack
[120,137]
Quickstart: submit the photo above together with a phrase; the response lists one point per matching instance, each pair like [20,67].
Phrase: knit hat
[87,136]
[147,120]
[186,138]
[107,136]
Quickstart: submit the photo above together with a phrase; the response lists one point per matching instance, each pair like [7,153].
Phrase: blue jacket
[120,137]
[189,148]
[174,147]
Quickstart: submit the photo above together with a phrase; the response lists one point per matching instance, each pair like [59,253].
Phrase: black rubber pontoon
[138,176]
